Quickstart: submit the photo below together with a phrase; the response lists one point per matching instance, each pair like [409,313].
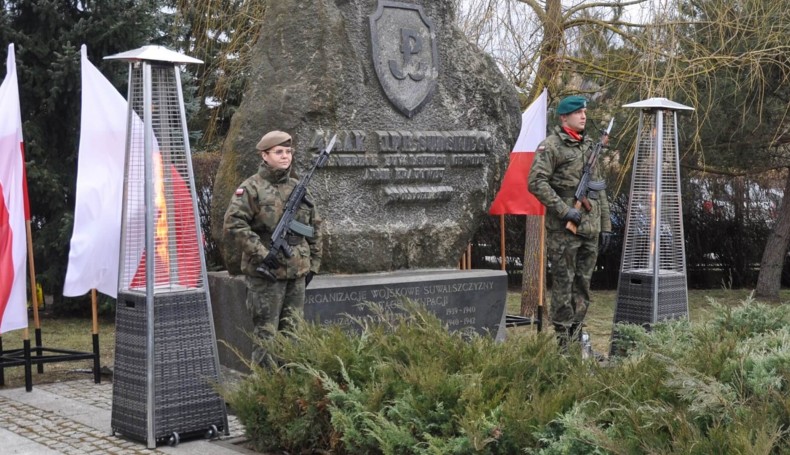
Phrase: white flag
[13,247]
[95,242]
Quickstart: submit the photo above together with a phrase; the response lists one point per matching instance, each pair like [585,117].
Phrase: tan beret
[271,139]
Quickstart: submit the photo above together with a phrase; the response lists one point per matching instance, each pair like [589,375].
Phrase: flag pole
[32,269]
[33,297]
[31,263]
[95,335]
[34,300]
[502,238]
[541,274]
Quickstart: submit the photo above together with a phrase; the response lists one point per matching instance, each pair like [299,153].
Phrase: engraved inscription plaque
[462,299]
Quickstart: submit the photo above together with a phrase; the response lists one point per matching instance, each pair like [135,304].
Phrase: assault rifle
[288,223]
[586,184]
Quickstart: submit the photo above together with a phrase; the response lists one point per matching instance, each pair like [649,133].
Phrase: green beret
[571,104]
[271,139]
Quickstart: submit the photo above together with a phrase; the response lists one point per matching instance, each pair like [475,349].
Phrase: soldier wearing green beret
[251,217]
[553,179]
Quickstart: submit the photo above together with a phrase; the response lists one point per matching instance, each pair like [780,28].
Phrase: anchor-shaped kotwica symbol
[410,45]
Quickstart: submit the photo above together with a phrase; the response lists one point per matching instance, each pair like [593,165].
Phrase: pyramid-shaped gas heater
[652,283]
[166,361]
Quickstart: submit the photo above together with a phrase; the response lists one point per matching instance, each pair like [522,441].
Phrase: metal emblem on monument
[404,53]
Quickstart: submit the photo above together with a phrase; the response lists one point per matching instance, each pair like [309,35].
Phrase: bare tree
[728,59]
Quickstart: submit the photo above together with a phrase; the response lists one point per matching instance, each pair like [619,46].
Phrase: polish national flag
[13,205]
[514,198]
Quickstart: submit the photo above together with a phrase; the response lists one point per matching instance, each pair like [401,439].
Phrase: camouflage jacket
[253,213]
[553,179]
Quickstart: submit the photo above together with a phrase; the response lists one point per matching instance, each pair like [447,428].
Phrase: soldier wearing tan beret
[253,213]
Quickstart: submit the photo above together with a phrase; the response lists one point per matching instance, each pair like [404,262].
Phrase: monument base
[462,299]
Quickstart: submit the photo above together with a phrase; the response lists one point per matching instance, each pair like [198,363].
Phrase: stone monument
[425,124]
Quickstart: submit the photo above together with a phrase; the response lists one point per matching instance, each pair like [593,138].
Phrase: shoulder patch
[541,148]
[239,191]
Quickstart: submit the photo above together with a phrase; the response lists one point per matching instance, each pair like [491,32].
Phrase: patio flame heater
[166,359]
[652,282]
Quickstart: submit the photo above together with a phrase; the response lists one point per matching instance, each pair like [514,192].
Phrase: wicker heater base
[185,369]
[635,299]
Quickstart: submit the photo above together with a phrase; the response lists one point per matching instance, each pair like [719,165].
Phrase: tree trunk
[770,278]
[533,289]
[550,48]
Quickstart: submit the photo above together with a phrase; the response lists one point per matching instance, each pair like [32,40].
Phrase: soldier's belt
[591,194]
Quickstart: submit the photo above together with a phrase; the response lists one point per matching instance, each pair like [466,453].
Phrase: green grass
[61,333]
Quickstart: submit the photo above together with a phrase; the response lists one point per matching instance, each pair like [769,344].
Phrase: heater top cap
[659,103]
[271,139]
[153,53]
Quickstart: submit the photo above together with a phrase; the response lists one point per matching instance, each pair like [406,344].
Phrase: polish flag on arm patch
[239,191]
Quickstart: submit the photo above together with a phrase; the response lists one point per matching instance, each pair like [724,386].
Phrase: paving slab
[73,417]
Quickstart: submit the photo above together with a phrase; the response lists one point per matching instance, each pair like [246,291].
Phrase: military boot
[562,334]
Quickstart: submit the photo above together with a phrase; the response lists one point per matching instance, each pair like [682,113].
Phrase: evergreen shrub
[405,385]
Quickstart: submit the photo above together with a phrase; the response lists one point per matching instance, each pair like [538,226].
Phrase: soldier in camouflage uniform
[553,179]
[253,213]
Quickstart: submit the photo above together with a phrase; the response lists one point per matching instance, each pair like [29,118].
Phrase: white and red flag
[513,197]
[95,241]
[13,205]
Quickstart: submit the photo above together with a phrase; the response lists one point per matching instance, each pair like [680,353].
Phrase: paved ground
[73,417]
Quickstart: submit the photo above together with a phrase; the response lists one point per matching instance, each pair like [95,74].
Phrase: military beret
[571,104]
[271,139]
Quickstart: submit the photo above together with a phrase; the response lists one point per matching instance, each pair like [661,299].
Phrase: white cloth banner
[13,233]
[95,242]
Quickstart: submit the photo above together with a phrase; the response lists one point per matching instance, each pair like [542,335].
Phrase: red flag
[514,198]
[13,235]
[175,251]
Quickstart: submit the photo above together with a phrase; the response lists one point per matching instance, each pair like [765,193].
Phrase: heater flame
[161,228]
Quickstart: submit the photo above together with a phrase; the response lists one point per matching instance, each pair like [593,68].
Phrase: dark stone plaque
[473,299]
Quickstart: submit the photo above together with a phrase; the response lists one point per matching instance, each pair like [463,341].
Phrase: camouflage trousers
[572,262]
[272,306]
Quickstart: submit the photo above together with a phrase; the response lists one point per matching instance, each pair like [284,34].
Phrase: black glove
[271,262]
[308,278]
[605,242]
[573,215]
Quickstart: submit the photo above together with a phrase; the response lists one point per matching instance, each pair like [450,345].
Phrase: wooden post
[33,297]
[502,240]
[95,336]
